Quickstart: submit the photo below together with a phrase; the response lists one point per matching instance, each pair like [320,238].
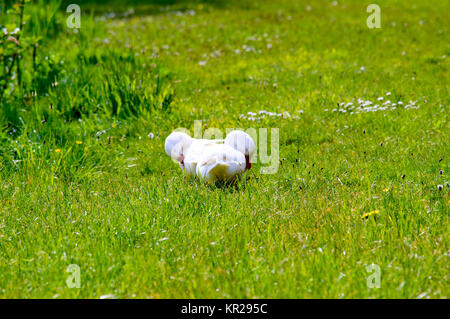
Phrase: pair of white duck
[212,160]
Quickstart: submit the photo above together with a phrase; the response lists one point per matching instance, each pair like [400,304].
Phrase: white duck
[210,160]
[186,150]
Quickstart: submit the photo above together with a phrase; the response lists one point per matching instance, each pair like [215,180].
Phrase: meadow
[363,160]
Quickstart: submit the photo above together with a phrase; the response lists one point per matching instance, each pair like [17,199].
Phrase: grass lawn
[84,178]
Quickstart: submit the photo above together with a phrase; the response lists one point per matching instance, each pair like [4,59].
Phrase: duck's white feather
[242,142]
[194,153]
[220,163]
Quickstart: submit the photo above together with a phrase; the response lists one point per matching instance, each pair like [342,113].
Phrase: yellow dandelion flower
[58,150]
[79,142]
[374,212]
[386,189]
[114,125]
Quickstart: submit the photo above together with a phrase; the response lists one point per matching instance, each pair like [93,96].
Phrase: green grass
[115,205]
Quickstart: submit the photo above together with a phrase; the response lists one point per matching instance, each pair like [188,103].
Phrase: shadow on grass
[233,186]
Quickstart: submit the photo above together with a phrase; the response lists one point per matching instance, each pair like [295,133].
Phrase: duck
[212,160]
[186,150]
